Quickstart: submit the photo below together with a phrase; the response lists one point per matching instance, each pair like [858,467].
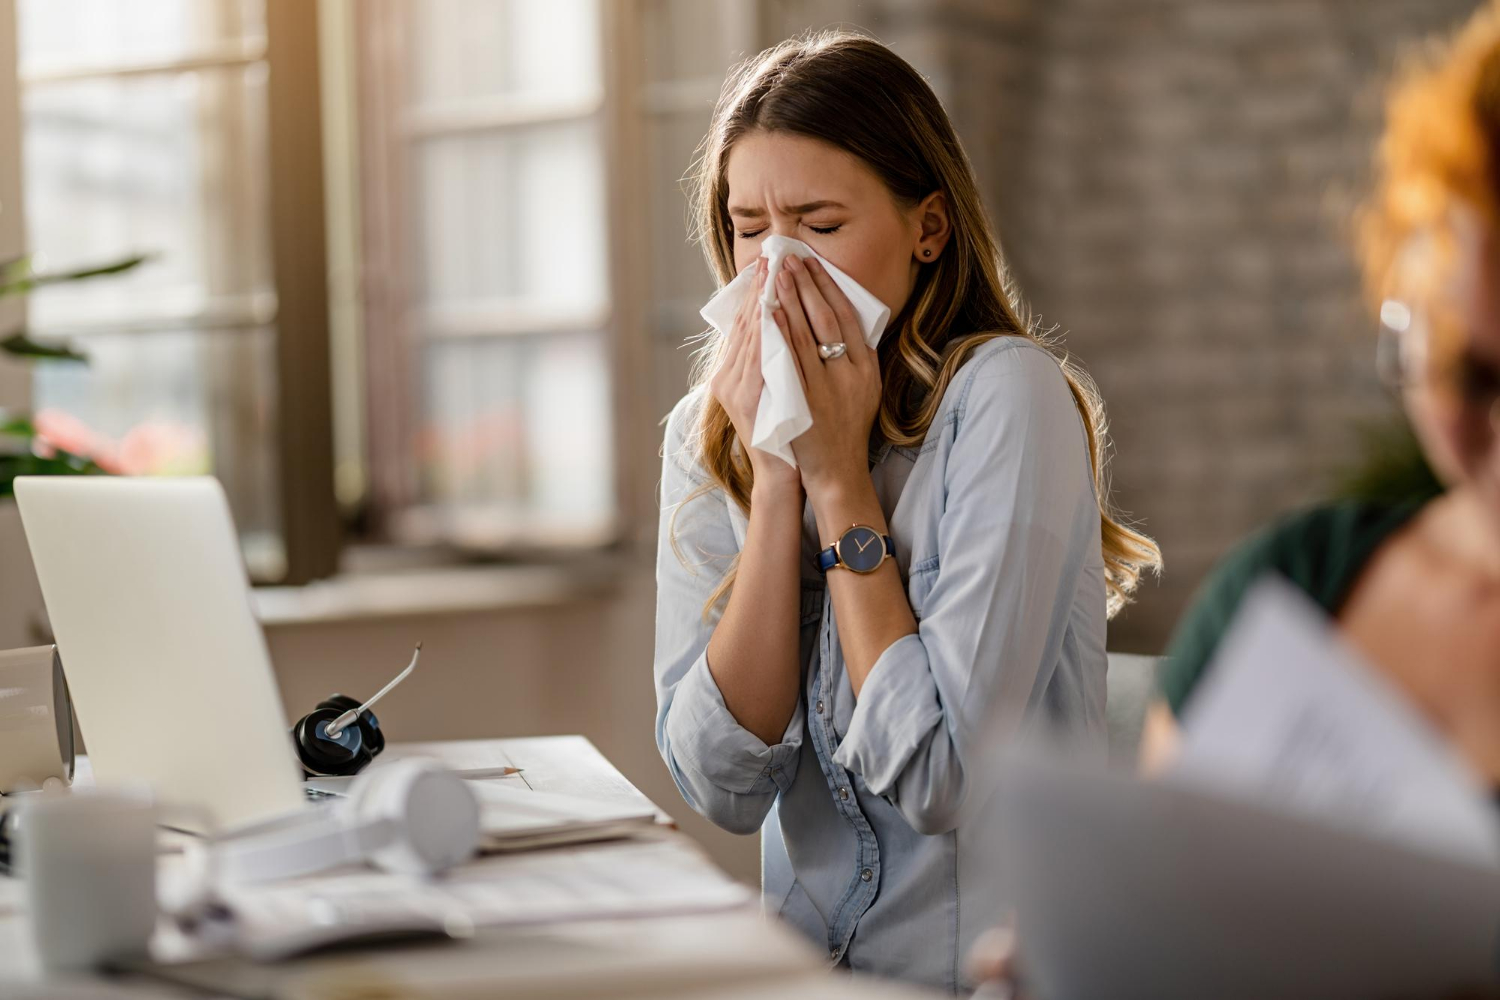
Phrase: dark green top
[1322,551]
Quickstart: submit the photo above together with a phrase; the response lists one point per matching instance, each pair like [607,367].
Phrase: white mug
[88,857]
[36,720]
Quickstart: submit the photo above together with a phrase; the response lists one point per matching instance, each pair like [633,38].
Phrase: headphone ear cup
[338,702]
[369,725]
[365,791]
[432,810]
[325,757]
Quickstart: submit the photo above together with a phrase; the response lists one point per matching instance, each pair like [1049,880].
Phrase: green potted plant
[22,451]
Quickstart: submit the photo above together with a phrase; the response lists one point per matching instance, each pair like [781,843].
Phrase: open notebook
[645,876]
[630,878]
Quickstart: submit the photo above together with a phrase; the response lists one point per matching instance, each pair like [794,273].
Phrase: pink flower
[152,448]
[57,431]
[160,447]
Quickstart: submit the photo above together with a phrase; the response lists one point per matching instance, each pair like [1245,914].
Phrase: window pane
[466,49]
[169,165]
[507,225]
[174,164]
[72,33]
[517,432]
[180,403]
[513,214]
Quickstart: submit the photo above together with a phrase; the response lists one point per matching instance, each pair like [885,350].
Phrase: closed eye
[820,230]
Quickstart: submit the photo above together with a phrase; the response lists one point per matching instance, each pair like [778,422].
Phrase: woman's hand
[738,384]
[992,964]
[843,393]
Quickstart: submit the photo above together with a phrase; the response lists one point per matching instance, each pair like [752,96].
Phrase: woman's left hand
[843,393]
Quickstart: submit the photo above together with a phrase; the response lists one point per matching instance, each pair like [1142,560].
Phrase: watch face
[861,549]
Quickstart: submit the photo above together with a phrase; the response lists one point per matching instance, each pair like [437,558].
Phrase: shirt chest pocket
[919,584]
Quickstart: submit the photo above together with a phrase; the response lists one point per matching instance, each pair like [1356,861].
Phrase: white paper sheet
[1289,716]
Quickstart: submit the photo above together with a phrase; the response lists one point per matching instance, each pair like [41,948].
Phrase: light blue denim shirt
[996,528]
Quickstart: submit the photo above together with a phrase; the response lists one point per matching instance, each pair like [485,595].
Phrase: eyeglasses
[1403,361]
[1391,346]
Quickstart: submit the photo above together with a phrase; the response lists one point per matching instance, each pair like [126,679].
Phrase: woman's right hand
[738,384]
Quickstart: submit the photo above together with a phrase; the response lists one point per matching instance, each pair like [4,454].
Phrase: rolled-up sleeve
[1012,539]
[724,771]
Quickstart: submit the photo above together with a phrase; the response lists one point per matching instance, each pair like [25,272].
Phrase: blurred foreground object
[1192,895]
[1313,837]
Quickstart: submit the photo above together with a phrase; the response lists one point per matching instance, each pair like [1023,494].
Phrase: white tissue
[783,415]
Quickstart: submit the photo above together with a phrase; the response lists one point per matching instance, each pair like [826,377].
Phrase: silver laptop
[150,606]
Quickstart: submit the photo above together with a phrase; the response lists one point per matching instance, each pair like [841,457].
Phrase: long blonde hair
[854,93]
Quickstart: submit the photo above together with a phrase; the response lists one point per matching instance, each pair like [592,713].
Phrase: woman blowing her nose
[832,635]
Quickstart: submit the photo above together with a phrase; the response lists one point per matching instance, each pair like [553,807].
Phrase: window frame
[319,512]
[309,522]
[392,341]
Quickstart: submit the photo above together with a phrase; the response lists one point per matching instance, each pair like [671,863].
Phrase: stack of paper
[516,818]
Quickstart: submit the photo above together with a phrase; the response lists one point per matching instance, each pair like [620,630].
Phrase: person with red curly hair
[1412,583]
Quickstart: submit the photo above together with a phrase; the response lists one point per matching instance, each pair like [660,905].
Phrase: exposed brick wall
[1172,181]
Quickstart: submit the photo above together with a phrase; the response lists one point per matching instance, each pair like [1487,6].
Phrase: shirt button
[844,794]
[866,875]
[820,708]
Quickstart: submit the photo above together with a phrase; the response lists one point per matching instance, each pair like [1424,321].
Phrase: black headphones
[350,752]
[356,738]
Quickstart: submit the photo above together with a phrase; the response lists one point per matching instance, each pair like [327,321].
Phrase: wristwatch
[861,549]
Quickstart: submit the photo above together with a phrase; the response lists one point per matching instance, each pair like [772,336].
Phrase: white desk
[725,954]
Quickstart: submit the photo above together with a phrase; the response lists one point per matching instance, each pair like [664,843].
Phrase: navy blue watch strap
[829,557]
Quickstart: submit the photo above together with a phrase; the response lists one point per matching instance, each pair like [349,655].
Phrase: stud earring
[927,253]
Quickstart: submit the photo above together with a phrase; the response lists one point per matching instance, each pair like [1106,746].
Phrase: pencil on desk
[487,772]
